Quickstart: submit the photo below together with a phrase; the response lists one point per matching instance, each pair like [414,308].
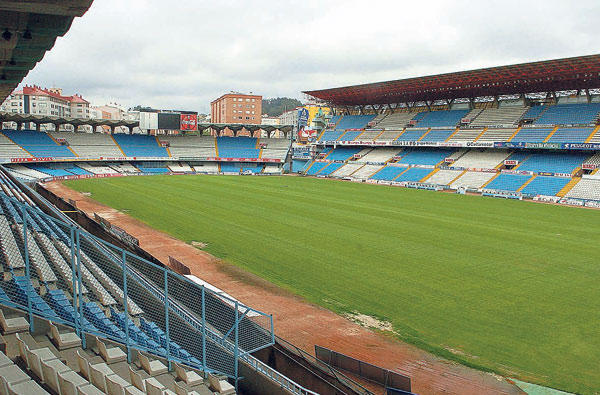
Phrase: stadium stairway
[526,183]
[550,134]
[570,185]
[437,169]
[594,135]
[490,181]
[481,134]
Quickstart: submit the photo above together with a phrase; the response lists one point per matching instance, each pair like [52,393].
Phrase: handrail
[252,361]
[211,333]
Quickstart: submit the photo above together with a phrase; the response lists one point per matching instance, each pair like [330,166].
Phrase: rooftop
[582,72]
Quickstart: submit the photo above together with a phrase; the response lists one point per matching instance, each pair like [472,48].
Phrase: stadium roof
[581,72]
[27,30]
[239,126]
[45,119]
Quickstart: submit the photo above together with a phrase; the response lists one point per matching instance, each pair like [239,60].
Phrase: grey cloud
[184,54]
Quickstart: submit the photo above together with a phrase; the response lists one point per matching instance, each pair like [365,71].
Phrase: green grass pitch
[508,286]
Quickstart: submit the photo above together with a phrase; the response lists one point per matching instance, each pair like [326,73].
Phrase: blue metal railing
[225,343]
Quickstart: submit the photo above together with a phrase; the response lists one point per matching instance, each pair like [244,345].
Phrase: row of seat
[63,367]
[44,171]
[372,164]
[538,162]
[29,143]
[561,114]
[21,291]
[573,135]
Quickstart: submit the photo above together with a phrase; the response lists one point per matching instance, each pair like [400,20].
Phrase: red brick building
[236,108]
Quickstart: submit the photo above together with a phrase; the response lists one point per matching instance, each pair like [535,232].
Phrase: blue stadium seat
[388,173]
[553,162]
[151,169]
[159,336]
[140,145]
[574,135]
[330,169]
[508,182]
[548,186]
[135,333]
[414,174]
[440,119]
[20,289]
[3,295]
[51,171]
[254,168]
[331,135]
[316,167]
[343,153]
[236,167]
[334,119]
[570,114]
[64,308]
[527,135]
[237,147]
[228,167]
[16,215]
[438,135]
[38,144]
[94,314]
[299,165]
[411,135]
[534,112]
[77,170]
[350,135]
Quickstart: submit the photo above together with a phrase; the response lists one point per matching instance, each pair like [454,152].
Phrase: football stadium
[435,234]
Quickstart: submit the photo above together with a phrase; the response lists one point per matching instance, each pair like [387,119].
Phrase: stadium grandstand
[80,314]
[521,131]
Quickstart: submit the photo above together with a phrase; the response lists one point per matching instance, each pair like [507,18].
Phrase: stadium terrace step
[137,145]
[38,144]
[526,183]
[440,119]
[507,182]
[388,173]
[568,187]
[354,122]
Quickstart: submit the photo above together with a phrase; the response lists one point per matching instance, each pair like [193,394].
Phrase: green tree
[274,107]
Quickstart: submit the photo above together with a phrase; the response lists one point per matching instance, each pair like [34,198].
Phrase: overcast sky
[183,54]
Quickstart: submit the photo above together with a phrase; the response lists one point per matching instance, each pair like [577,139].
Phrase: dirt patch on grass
[199,244]
[370,322]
